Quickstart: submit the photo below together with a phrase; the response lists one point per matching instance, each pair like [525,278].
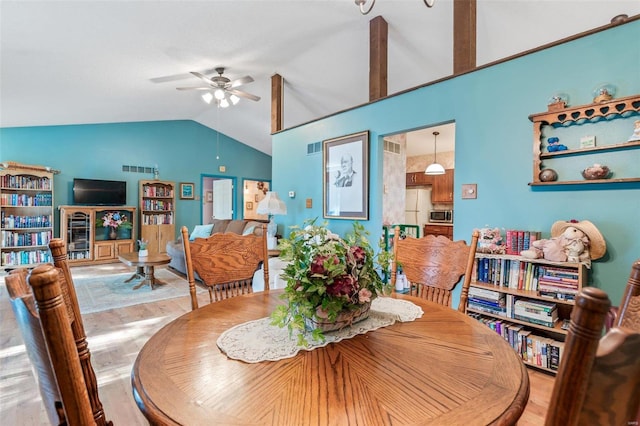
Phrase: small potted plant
[142,245]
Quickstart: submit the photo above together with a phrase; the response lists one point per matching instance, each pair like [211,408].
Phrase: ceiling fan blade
[240,81]
[203,77]
[243,94]
[194,88]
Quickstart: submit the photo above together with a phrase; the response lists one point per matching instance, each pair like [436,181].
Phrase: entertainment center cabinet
[88,241]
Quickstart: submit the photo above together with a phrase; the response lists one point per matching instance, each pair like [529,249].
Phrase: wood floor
[115,338]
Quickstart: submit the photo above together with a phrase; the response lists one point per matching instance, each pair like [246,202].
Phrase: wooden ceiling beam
[277,103]
[464,35]
[378,42]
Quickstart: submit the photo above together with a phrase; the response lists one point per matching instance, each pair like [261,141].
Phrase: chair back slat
[58,250]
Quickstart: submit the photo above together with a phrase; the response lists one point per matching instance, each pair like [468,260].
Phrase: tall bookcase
[87,241]
[503,287]
[157,213]
[26,215]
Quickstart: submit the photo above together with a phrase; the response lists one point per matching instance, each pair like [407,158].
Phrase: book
[485,294]
[534,320]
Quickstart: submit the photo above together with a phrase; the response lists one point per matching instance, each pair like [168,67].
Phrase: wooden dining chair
[60,296]
[28,320]
[434,265]
[225,263]
[598,381]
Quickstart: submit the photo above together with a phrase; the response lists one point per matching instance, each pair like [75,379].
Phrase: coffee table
[144,267]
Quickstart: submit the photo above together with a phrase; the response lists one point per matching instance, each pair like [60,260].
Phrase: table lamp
[271,205]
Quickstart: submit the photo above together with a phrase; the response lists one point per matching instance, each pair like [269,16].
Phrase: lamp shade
[434,169]
[271,205]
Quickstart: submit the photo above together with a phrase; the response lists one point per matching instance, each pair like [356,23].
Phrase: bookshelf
[88,242]
[26,215]
[527,301]
[157,213]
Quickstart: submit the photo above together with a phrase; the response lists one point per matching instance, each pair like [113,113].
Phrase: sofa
[175,250]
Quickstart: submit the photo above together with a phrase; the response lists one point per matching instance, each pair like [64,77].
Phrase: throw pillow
[249,230]
[201,231]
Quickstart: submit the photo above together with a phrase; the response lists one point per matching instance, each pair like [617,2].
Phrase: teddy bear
[570,242]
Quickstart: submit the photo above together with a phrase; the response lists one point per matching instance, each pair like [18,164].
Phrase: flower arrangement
[114,220]
[328,275]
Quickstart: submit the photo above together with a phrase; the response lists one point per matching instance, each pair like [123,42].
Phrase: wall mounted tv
[94,192]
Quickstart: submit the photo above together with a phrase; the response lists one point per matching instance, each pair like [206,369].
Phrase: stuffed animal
[490,241]
[571,241]
[555,145]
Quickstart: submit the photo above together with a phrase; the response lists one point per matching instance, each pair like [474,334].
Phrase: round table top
[152,259]
[443,368]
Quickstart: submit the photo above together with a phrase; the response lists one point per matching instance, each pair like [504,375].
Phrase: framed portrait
[209,196]
[249,205]
[187,191]
[345,186]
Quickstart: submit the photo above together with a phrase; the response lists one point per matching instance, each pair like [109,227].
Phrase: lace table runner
[258,340]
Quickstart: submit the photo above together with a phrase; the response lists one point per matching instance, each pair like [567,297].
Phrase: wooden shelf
[18,181]
[557,329]
[602,115]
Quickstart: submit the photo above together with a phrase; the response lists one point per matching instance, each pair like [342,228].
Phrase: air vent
[392,147]
[314,148]
[137,169]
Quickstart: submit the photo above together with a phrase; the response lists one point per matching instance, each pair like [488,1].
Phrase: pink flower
[358,254]
[321,313]
[364,295]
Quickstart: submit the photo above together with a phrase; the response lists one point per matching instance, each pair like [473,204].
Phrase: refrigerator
[418,205]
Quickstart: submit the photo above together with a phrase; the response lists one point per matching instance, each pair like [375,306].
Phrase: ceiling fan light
[219,94]
[234,99]
[434,169]
[224,103]
[207,97]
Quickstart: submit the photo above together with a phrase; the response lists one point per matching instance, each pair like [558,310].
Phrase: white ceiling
[87,61]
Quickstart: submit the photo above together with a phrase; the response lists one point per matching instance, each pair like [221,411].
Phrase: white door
[222,199]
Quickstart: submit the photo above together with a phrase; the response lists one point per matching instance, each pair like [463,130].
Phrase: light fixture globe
[434,168]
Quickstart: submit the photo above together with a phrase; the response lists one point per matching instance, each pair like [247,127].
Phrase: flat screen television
[95,192]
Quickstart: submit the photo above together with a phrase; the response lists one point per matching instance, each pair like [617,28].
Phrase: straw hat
[597,245]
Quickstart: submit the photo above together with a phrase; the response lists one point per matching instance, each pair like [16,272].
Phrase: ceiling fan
[222,89]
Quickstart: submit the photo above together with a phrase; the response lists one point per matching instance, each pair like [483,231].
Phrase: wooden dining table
[444,368]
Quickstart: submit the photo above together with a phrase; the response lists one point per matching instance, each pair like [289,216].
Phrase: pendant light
[434,168]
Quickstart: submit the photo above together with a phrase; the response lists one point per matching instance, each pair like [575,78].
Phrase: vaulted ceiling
[77,62]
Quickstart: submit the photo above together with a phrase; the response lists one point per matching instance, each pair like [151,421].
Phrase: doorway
[218,198]
[411,152]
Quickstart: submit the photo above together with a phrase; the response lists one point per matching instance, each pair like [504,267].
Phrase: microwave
[441,216]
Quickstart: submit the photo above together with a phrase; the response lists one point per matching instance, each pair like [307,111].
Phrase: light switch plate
[469,191]
[309,203]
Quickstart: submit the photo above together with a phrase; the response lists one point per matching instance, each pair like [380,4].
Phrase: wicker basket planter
[344,319]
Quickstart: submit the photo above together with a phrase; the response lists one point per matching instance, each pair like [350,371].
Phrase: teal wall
[493,147]
[183,151]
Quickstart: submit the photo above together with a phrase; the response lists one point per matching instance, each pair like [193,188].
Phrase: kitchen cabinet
[444,230]
[419,179]
[442,191]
